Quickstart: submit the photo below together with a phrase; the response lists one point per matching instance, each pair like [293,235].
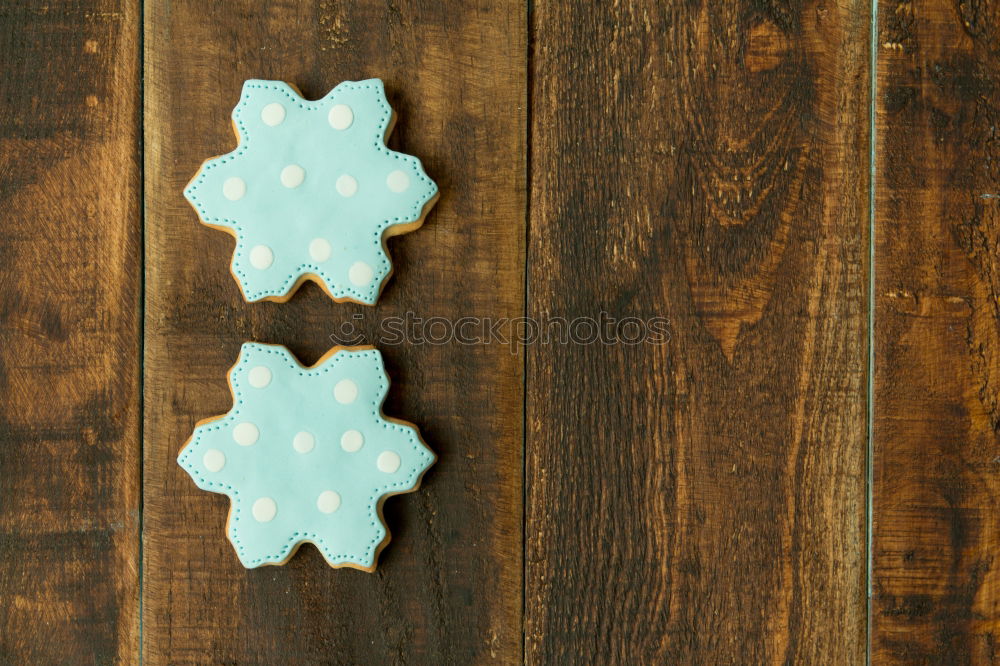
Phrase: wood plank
[69,350]
[936,529]
[448,587]
[701,501]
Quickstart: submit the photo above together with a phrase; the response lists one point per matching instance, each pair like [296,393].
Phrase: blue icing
[297,400]
[286,220]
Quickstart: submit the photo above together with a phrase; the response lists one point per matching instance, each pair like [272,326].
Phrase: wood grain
[937,381]
[69,332]
[448,588]
[701,501]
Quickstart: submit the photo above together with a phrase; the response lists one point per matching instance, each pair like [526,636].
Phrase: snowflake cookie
[311,191]
[306,455]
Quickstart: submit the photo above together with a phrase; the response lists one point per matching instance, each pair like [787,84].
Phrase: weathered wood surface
[70,234]
[701,501]
[937,337]
[448,587]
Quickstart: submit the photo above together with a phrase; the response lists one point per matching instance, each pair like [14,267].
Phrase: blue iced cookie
[306,455]
[311,191]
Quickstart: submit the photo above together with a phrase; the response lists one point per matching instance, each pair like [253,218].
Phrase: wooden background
[834,309]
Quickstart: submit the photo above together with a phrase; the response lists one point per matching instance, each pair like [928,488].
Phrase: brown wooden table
[825,412]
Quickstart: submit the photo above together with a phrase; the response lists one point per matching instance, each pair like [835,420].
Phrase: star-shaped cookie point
[306,455]
[311,191]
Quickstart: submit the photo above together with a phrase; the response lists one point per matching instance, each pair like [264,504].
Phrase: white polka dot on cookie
[292,176]
[347,185]
[246,434]
[214,460]
[345,392]
[261,257]
[388,462]
[273,114]
[264,510]
[320,249]
[328,501]
[340,117]
[259,377]
[398,181]
[234,188]
[360,274]
[304,442]
[352,441]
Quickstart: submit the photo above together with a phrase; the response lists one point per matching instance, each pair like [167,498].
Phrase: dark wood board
[701,501]
[448,587]
[936,532]
[70,248]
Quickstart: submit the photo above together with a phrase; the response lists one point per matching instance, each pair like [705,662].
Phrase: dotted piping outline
[241,252]
[250,351]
